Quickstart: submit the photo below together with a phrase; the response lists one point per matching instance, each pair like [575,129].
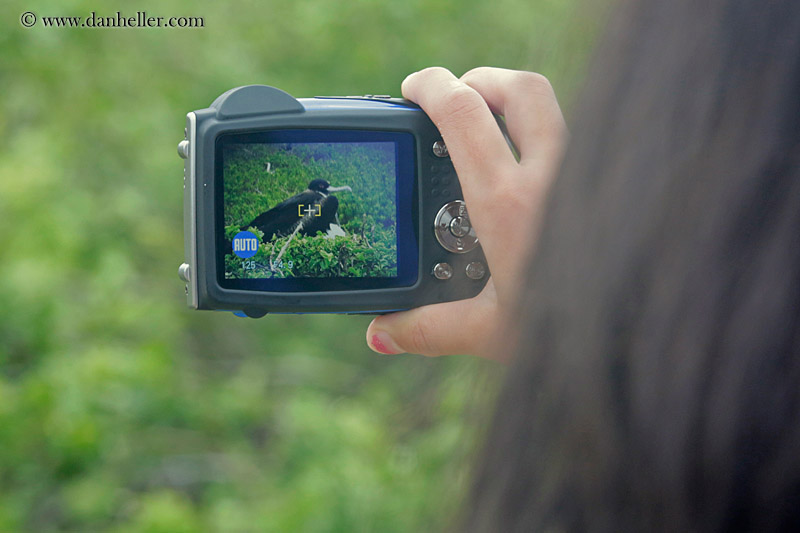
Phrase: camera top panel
[367,101]
[255,100]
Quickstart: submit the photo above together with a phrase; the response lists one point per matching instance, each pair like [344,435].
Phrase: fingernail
[381,342]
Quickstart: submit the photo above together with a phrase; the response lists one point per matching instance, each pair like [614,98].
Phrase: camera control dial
[453,229]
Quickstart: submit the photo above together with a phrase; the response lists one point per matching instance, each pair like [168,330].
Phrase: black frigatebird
[314,209]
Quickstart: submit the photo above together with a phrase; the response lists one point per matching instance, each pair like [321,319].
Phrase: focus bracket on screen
[255,100]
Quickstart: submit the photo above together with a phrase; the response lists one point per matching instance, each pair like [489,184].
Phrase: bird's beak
[338,189]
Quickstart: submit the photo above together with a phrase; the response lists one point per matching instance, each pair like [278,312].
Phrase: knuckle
[459,103]
[476,72]
[435,70]
[429,73]
[533,82]
[425,82]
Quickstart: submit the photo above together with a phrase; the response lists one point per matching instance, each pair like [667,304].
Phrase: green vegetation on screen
[259,177]
[121,410]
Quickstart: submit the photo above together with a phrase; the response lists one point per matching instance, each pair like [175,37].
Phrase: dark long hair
[657,382]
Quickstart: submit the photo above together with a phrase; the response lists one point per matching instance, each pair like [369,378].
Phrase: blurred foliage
[121,410]
[367,212]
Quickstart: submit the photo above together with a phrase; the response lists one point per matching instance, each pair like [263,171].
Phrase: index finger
[477,146]
[529,104]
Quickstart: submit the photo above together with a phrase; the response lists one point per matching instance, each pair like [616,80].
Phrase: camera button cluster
[453,228]
[442,271]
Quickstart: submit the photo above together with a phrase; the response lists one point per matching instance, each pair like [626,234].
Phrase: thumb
[461,327]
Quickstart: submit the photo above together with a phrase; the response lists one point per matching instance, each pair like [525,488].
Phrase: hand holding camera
[360,204]
[505,199]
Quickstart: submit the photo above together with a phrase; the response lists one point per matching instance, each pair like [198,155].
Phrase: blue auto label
[245,244]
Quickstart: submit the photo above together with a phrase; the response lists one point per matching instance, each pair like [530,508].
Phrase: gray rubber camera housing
[256,108]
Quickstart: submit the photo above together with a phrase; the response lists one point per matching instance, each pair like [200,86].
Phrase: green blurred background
[120,409]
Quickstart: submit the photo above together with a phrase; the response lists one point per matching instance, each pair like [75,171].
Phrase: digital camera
[327,204]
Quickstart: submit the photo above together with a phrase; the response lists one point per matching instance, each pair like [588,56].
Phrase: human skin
[505,200]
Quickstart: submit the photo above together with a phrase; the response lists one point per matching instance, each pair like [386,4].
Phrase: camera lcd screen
[316,210]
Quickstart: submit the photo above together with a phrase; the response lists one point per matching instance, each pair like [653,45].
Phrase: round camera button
[185,272]
[442,271]
[183,149]
[440,149]
[476,270]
